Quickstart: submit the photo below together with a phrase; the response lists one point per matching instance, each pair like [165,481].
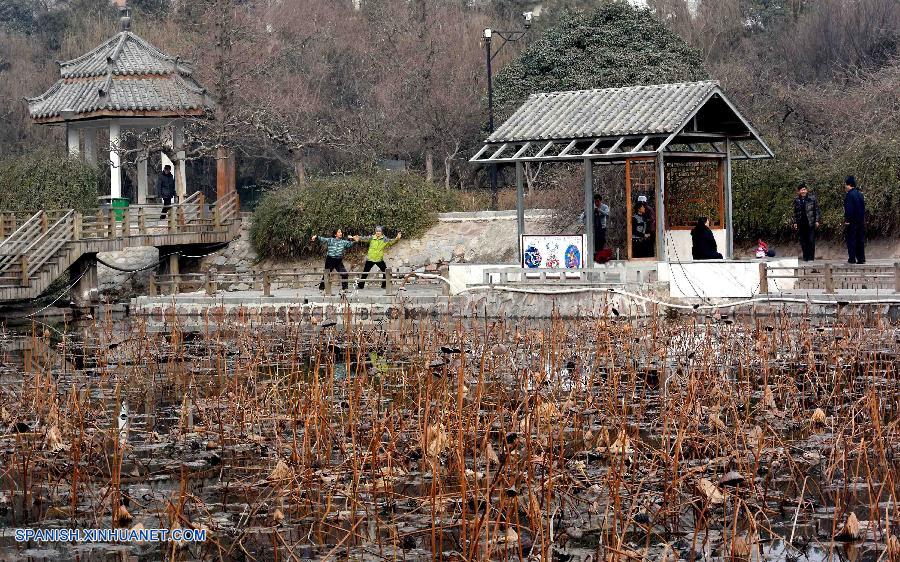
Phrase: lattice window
[693,189]
[643,180]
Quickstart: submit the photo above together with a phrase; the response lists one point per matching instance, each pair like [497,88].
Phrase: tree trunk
[528,178]
[299,168]
[447,166]
[429,164]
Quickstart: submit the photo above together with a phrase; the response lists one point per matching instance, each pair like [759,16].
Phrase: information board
[553,251]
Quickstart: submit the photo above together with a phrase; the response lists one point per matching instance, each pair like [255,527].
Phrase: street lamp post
[489,53]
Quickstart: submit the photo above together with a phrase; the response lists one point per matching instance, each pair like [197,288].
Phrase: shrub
[285,219]
[47,181]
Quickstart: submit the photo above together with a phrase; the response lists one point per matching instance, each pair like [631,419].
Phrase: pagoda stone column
[142,175]
[89,135]
[73,140]
[115,168]
[180,171]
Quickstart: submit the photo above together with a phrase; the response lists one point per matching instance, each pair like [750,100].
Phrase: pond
[692,437]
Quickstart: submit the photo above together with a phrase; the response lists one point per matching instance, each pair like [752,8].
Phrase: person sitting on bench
[704,243]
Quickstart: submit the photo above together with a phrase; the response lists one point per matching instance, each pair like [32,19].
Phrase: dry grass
[472,439]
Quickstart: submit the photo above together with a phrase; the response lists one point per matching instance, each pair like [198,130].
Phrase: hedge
[764,191]
[47,181]
[286,218]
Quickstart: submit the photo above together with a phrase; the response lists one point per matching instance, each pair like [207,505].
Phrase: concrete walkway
[304,295]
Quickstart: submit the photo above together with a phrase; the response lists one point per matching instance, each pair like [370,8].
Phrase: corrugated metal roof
[172,94]
[124,74]
[124,54]
[607,112]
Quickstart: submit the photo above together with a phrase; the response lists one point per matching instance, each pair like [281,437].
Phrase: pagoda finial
[125,18]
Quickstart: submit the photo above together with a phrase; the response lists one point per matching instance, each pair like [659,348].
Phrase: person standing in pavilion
[650,218]
[641,246]
[806,221]
[854,222]
[165,189]
[375,256]
[601,220]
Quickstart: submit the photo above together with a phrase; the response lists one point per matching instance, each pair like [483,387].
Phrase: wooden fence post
[142,221]
[126,223]
[26,281]
[267,284]
[201,207]
[181,221]
[76,226]
[445,273]
[328,282]
[829,278]
[763,278]
[171,217]
[210,284]
[111,224]
[151,286]
[44,222]
[388,281]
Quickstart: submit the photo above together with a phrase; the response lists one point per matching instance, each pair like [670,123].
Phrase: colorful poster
[553,251]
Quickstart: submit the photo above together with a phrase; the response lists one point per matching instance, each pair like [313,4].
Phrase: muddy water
[566,440]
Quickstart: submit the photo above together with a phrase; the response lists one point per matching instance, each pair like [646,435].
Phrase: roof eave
[716,90]
[112,114]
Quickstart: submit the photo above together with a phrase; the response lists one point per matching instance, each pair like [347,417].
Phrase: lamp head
[527,16]
[487,33]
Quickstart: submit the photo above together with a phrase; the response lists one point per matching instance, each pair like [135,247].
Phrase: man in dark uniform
[165,189]
[855,222]
[806,221]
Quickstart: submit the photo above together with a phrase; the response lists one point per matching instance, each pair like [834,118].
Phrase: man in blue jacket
[854,222]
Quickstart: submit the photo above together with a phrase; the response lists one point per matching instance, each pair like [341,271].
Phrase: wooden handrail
[13,247]
[831,277]
[44,247]
[265,281]
[39,239]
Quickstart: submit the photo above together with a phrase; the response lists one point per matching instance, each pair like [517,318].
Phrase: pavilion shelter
[676,141]
[124,83]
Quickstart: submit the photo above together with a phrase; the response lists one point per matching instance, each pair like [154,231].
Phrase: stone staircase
[37,249]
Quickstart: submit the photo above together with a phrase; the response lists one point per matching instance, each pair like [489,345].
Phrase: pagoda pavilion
[124,83]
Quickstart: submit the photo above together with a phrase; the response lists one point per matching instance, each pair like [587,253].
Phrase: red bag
[603,255]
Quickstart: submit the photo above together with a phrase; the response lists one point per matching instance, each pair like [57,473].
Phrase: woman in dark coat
[704,243]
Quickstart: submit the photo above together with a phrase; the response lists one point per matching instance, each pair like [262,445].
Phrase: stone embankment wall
[116,282]
[491,304]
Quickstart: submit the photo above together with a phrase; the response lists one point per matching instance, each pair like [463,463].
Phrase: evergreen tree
[614,45]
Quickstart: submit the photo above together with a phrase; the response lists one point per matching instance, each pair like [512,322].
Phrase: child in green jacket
[375,255]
